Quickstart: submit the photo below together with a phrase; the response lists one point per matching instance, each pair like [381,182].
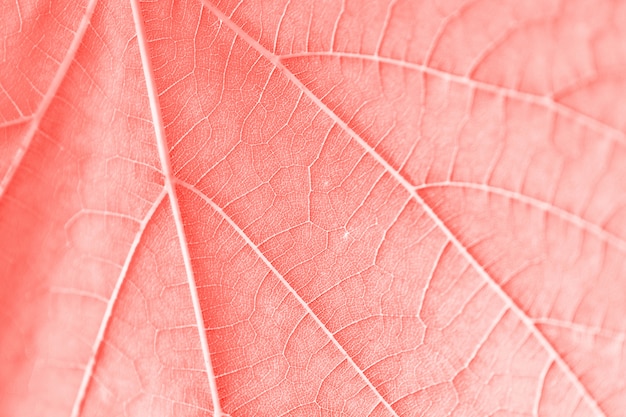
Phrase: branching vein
[106,319]
[276,60]
[293,292]
[159,130]
[539,100]
[572,218]
[58,78]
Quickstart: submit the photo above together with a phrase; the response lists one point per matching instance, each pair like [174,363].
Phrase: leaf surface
[313,208]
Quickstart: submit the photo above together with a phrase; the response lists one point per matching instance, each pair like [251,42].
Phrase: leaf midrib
[164,157]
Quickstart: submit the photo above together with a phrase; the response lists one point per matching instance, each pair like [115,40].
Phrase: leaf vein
[565,215]
[539,100]
[58,78]
[526,320]
[106,319]
[159,130]
[287,285]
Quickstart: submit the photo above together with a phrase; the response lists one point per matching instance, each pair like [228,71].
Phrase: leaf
[313,208]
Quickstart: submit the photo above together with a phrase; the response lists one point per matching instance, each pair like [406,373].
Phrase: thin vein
[293,292]
[159,131]
[106,319]
[58,78]
[539,100]
[540,387]
[276,60]
[17,121]
[614,334]
[572,218]
[78,293]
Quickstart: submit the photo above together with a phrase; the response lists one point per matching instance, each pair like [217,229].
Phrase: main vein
[163,150]
[276,61]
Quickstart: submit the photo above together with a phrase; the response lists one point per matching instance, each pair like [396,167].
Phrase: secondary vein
[546,101]
[575,219]
[293,292]
[58,78]
[106,319]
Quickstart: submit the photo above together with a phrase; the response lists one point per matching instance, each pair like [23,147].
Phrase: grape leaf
[313,208]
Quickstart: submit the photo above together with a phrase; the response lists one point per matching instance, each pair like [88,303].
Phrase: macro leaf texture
[313,208]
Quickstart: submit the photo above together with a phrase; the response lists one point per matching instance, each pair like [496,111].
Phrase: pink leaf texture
[313,208]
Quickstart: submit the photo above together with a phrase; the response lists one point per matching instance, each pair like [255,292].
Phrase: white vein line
[14,122]
[58,78]
[78,293]
[572,218]
[293,292]
[540,388]
[615,334]
[106,319]
[276,60]
[545,101]
[159,131]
